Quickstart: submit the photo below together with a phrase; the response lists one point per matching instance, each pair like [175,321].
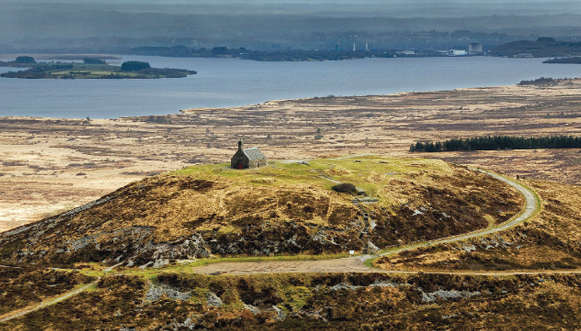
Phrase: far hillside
[285,208]
[542,47]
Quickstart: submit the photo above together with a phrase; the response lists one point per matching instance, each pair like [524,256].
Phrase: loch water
[234,82]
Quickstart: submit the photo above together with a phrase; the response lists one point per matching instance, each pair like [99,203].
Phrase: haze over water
[231,82]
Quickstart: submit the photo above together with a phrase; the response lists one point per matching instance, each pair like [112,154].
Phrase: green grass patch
[92,288]
[366,172]
[297,296]
[369,263]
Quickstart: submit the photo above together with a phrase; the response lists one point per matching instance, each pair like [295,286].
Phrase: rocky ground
[316,302]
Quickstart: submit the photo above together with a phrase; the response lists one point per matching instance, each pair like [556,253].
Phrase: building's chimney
[240,144]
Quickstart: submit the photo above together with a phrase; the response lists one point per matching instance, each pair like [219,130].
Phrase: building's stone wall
[239,158]
[257,163]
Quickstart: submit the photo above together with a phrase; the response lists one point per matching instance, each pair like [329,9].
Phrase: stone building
[247,158]
[475,48]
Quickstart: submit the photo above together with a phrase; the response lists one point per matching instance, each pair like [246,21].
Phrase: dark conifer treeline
[497,142]
[134,66]
[92,60]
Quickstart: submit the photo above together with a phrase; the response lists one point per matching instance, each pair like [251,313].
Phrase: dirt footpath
[353,264]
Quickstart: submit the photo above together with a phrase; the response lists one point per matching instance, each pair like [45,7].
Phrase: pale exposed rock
[384,284]
[469,249]
[447,295]
[280,314]
[253,309]
[343,286]
[213,300]
[156,292]
[160,263]
[371,248]
[417,212]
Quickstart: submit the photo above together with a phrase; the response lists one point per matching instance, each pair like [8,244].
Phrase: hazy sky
[564,5]
[115,25]
[355,2]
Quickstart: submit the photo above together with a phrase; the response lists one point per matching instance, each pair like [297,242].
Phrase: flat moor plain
[52,165]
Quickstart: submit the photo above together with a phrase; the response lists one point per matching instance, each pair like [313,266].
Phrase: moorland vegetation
[314,301]
[284,208]
[547,242]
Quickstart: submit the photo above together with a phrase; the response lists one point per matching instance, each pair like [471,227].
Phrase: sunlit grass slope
[285,208]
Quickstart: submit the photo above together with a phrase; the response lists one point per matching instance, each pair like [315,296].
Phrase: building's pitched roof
[254,153]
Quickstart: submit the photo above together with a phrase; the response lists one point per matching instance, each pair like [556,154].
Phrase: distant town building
[457,52]
[475,48]
[405,52]
[524,55]
[247,158]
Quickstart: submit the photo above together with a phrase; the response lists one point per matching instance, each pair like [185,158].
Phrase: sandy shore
[50,165]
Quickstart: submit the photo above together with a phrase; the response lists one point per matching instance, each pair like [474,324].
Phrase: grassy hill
[286,208]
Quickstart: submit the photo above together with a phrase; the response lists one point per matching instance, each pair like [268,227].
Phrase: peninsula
[90,69]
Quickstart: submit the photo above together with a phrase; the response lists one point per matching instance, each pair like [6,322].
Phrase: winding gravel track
[356,264]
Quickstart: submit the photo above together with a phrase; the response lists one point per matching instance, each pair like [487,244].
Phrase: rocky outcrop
[157,292]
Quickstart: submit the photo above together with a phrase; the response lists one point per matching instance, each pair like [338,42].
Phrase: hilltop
[285,208]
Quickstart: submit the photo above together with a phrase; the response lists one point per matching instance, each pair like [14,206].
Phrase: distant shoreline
[64,57]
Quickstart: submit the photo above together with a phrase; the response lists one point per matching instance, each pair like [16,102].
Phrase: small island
[91,68]
[570,60]
[20,62]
